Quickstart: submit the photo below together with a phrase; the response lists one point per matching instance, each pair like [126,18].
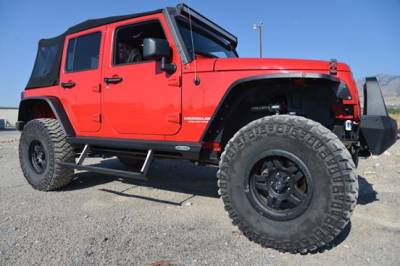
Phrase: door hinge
[175,118]
[97,88]
[97,118]
[175,82]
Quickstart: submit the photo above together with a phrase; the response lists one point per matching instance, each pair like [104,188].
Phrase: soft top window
[46,69]
[45,60]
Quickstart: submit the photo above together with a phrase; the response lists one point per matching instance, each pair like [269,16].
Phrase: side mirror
[156,48]
[159,49]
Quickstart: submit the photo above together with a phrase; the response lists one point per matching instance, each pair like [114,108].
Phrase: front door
[81,78]
[139,98]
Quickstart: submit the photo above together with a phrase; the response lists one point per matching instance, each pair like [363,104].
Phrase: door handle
[113,80]
[68,85]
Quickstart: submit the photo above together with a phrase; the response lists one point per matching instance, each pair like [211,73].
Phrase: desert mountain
[390,85]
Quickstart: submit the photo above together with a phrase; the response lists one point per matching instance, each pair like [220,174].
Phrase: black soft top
[46,70]
[93,23]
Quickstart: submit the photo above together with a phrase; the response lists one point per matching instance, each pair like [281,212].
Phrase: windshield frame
[206,33]
[171,15]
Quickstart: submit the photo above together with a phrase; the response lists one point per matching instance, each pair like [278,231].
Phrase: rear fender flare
[25,109]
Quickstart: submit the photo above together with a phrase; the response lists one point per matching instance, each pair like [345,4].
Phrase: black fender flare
[342,92]
[55,105]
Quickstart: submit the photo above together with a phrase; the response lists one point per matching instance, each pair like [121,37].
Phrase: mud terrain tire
[42,148]
[327,199]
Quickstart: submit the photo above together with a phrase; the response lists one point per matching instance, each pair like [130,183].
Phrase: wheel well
[312,98]
[44,107]
[34,109]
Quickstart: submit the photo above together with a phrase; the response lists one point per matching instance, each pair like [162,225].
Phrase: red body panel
[147,101]
[274,64]
[151,105]
[83,102]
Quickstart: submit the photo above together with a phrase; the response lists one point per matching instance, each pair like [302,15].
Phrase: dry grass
[397,117]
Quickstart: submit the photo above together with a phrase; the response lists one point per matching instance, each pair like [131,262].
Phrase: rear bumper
[378,131]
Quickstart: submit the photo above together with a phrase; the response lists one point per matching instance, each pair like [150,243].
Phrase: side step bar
[108,171]
[142,175]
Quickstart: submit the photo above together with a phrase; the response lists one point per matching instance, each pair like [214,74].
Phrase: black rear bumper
[377,129]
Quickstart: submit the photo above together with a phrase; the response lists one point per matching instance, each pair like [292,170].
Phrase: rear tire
[42,148]
[288,183]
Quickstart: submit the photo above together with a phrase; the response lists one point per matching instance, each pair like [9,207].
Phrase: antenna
[196,77]
[259,27]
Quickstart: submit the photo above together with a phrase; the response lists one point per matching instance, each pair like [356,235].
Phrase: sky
[363,33]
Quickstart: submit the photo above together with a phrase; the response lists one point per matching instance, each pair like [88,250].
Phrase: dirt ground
[175,218]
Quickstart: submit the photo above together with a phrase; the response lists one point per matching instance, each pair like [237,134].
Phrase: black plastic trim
[169,14]
[219,109]
[141,145]
[56,107]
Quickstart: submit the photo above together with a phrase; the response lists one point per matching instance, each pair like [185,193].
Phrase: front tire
[288,183]
[42,148]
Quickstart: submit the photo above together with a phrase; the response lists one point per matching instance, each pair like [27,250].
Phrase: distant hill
[390,85]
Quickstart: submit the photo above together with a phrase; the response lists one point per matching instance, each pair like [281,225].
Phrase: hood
[227,64]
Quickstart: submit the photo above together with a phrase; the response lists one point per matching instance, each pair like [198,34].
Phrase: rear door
[142,99]
[81,79]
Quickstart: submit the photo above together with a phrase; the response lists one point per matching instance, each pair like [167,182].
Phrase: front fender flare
[342,92]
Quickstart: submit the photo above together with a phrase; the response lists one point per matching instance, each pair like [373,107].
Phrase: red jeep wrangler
[286,134]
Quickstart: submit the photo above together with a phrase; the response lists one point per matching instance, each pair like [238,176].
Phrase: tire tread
[58,176]
[325,233]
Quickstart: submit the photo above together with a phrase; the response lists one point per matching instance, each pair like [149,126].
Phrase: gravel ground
[175,218]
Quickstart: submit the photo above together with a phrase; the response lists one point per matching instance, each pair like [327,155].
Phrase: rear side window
[45,60]
[83,52]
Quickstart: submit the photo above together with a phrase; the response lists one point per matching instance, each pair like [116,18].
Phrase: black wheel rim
[279,186]
[38,157]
